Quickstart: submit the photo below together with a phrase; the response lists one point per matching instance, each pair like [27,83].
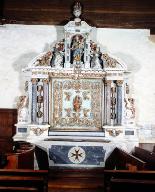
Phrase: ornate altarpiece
[76,90]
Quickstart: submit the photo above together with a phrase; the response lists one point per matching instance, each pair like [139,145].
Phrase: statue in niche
[58,55]
[95,57]
[77,103]
[77,49]
[22,106]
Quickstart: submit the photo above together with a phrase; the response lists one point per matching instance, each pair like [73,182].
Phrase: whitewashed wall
[19,44]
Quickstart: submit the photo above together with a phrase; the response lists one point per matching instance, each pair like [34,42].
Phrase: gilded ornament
[38,131]
[119,82]
[114,132]
[108,61]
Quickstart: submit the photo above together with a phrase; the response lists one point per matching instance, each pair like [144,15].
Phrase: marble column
[67,51]
[34,101]
[46,101]
[119,102]
[108,102]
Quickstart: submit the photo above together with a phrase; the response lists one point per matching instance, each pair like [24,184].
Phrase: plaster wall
[19,44]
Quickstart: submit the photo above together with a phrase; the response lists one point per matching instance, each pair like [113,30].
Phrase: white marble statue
[58,55]
[95,53]
[22,107]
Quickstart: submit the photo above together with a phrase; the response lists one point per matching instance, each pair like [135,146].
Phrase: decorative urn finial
[77,10]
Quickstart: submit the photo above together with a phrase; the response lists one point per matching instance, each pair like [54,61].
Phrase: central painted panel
[76,104]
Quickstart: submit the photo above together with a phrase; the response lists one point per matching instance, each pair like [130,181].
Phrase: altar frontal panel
[76,104]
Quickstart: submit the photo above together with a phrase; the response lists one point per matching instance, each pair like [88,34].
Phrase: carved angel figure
[130,108]
[95,56]
[44,60]
[22,107]
[58,55]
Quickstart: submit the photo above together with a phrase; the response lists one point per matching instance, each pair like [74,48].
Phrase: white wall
[19,44]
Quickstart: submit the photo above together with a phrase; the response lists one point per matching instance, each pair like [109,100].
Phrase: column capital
[34,80]
[46,81]
[119,82]
[108,82]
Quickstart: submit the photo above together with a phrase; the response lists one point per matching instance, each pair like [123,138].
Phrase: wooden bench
[15,180]
[121,160]
[127,181]
[22,156]
[42,158]
[147,156]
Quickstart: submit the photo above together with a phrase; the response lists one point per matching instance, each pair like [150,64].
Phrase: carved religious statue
[77,48]
[77,102]
[22,106]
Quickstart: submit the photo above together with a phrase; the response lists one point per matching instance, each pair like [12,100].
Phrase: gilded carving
[109,61]
[119,82]
[68,112]
[77,102]
[86,95]
[44,60]
[108,82]
[34,80]
[40,100]
[82,75]
[68,96]
[84,110]
[38,131]
[46,81]
[114,132]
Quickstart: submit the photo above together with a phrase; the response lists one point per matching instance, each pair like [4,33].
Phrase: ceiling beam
[101,13]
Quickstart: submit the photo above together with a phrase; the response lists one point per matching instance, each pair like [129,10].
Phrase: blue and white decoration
[80,155]
[77,103]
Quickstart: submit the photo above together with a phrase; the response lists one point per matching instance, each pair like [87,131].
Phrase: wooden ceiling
[99,13]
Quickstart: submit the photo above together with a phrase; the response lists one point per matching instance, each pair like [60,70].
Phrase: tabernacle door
[76,104]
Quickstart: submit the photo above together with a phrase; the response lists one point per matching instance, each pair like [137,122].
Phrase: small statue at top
[77,10]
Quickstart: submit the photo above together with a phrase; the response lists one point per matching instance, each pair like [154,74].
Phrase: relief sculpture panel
[74,104]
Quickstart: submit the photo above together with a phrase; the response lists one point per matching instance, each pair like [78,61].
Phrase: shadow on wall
[152,38]
[60,36]
[24,59]
[132,64]
[22,63]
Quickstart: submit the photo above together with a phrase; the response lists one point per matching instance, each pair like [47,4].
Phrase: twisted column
[108,102]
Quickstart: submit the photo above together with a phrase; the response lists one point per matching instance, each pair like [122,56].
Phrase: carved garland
[76,119]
